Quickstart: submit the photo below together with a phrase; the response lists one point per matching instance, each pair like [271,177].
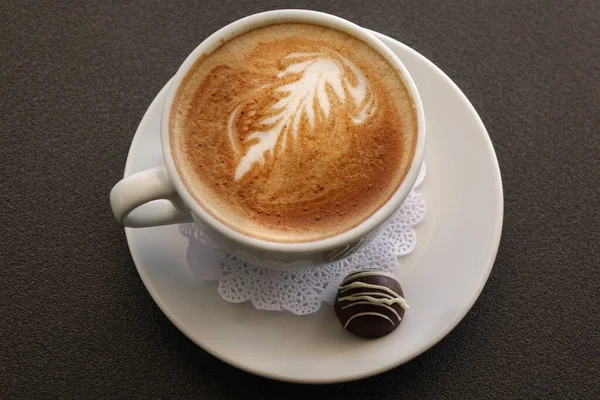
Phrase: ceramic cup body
[159,197]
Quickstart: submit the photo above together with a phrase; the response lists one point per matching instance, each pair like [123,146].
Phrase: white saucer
[441,279]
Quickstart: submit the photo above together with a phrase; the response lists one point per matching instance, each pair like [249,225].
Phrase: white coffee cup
[165,183]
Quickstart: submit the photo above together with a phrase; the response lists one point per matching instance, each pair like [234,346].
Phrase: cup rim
[268,18]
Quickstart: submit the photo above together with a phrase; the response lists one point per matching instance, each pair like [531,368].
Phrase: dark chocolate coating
[369,326]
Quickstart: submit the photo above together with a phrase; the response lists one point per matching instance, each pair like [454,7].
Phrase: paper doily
[300,287]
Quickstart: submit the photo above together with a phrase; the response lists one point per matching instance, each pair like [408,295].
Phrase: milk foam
[292,132]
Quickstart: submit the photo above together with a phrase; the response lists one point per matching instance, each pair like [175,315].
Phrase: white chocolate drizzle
[381,305]
[368,313]
[396,298]
[368,272]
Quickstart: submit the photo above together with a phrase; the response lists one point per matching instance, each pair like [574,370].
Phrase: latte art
[292,132]
[317,77]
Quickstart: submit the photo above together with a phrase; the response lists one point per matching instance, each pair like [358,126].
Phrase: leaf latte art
[292,132]
[317,77]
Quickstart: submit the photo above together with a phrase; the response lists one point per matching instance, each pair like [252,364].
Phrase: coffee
[292,132]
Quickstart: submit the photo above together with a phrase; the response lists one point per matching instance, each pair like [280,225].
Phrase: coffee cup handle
[147,198]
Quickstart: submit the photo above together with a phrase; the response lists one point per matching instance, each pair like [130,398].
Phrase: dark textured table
[76,320]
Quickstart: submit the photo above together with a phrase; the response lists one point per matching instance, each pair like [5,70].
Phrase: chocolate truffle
[369,303]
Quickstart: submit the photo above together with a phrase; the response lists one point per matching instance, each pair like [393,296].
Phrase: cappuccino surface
[292,132]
